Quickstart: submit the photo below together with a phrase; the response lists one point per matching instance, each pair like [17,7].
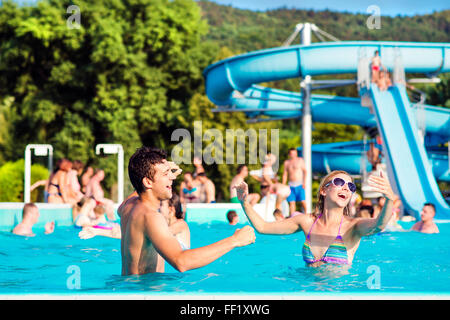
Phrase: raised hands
[381,184]
[242,191]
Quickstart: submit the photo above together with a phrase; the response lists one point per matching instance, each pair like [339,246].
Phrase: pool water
[387,263]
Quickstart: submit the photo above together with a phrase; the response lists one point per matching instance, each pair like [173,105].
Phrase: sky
[387,7]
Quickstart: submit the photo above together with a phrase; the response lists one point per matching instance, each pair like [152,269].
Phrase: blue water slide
[231,83]
[406,155]
[240,72]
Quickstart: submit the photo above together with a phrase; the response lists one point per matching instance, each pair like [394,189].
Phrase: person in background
[57,190]
[295,175]
[94,223]
[384,80]
[355,203]
[74,184]
[241,174]
[365,212]
[86,176]
[189,189]
[376,66]
[207,189]
[197,162]
[30,216]
[232,217]
[94,190]
[278,215]
[378,206]
[174,214]
[426,224]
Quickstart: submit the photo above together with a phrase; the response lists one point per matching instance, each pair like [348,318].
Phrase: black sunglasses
[264,186]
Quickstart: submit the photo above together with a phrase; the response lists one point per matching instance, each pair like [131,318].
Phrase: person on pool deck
[232,217]
[30,215]
[74,184]
[267,177]
[295,173]
[57,190]
[145,232]
[331,235]
[85,177]
[426,224]
[189,189]
[241,174]
[207,189]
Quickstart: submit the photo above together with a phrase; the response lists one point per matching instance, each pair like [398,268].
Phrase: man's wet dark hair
[142,164]
[431,205]
[231,214]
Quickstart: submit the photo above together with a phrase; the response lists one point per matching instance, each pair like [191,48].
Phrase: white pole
[307,122]
[115,149]
[26,192]
[39,150]
[120,174]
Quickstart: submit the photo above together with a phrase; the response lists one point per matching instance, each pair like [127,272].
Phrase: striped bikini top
[336,252]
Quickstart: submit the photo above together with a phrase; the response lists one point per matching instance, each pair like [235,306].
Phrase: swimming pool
[397,263]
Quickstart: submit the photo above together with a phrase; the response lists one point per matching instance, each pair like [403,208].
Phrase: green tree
[125,76]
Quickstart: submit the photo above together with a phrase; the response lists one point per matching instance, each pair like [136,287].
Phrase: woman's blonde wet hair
[321,198]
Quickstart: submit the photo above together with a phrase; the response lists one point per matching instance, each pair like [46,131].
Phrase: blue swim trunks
[297,193]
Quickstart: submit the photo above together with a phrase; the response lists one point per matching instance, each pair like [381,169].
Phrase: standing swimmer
[332,236]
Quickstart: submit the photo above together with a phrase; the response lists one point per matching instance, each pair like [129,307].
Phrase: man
[208,189]
[94,190]
[376,66]
[242,173]
[295,173]
[145,231]
[30,216]
[426,224]
[232,217]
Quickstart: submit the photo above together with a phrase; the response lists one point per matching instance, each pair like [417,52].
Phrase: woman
[87,175]
[57,188]
[332,236]
[74,184]
[173,212]
[190,189]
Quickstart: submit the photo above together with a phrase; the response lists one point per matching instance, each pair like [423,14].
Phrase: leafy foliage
[12,177]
